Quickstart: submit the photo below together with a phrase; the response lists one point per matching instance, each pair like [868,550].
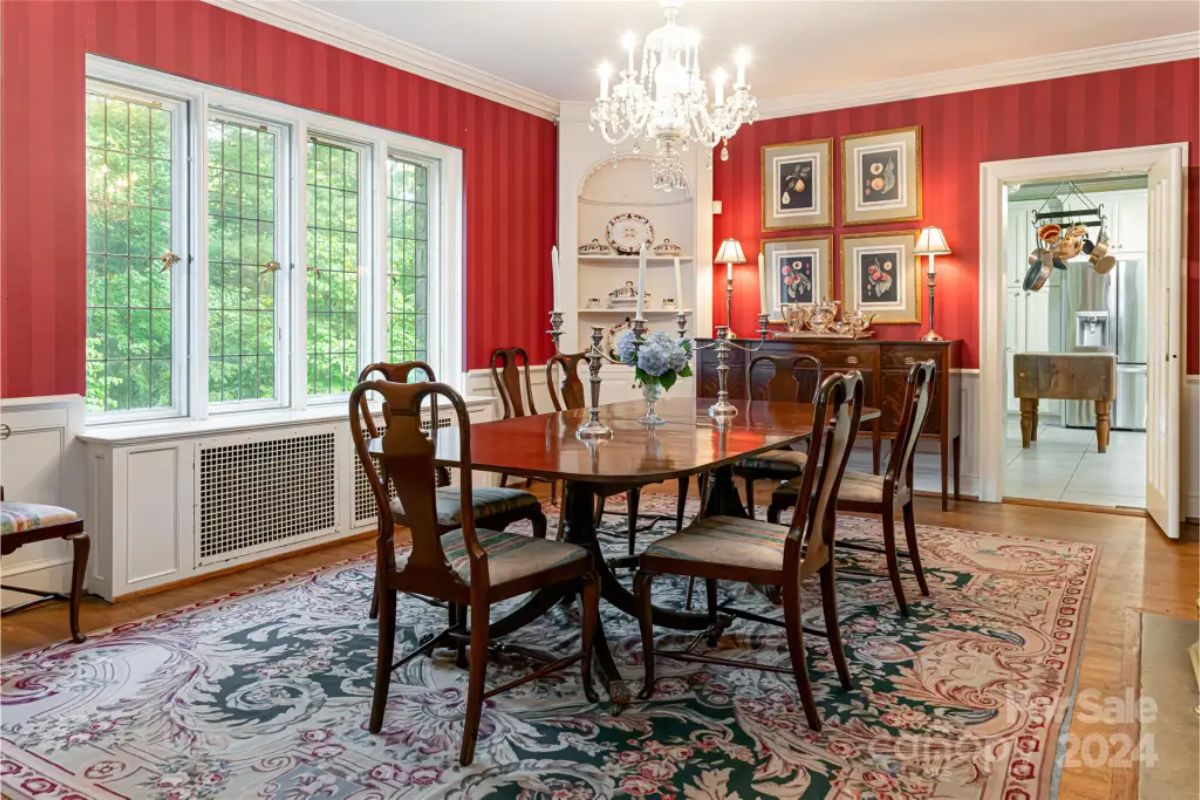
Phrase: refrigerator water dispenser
[1091,329]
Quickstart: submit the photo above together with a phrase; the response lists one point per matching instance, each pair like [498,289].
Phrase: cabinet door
[1131,222]
[1018,242]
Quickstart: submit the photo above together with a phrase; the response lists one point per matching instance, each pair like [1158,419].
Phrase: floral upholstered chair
[26,523]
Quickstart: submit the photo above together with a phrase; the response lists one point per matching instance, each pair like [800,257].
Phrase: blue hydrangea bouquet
[658,361]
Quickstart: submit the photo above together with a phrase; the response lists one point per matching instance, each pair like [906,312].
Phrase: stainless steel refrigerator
[1107,314]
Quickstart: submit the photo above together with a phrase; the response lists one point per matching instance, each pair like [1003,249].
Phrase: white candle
[630,42]
[743,58]
[605,71]
[718,86]
[554,276]
[678,286]
[641,284]
[762,284]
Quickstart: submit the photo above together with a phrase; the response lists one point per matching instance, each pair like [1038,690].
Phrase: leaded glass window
[243,264]
[407,260]
[333,220]
[134,252]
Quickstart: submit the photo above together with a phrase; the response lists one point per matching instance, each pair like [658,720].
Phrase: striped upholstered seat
[487,502]
[731,541]
[510,556]
[857,487]
[21,517]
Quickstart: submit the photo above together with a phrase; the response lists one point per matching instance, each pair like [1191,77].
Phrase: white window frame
[283,254]
[446,232]
[182,241]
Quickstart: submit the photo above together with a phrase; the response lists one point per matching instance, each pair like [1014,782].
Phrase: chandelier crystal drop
[665,100]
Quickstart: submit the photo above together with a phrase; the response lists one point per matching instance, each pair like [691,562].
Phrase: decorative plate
[667,248]
[628,232]
[594,248]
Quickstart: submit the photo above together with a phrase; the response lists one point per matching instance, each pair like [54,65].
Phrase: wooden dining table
[545,446]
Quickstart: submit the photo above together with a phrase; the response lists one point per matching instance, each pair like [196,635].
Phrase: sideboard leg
[876,433]
[945,472]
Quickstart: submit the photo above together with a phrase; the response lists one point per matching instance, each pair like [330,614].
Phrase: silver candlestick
[723,411]
[594,428]
[556,332]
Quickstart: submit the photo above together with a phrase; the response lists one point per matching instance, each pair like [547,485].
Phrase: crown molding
[984,76]
[314,23]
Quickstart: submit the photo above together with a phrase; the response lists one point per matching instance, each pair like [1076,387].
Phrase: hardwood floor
[1139,569]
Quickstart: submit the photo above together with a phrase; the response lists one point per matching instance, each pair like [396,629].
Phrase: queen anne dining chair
[864,492]
[494,507]
[26,523]
[568,396]
[508,364]
[469,569]
[751,551]
[784,385]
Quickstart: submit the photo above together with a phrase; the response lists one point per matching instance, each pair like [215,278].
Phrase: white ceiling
[799,47]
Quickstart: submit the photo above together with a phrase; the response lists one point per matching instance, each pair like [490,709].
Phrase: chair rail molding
[993,177]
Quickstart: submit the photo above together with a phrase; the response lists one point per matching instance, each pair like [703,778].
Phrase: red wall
[1138,106]
[510,162]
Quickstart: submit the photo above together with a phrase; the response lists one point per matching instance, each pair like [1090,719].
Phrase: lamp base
[932,336]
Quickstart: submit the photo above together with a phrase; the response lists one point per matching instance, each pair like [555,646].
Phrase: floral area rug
[266,693]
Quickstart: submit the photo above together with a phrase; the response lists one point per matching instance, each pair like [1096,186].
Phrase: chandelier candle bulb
[718,87]
[605,72]
[629,40]
[742,58]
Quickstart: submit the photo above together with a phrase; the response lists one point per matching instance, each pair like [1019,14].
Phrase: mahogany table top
[545,445]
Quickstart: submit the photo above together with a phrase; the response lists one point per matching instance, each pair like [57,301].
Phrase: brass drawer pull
[852,360]
[909,361]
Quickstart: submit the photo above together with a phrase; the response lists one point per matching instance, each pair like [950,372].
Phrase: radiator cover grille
[256,495]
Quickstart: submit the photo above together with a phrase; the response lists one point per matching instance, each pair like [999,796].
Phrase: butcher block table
[1065,376]
[545,446]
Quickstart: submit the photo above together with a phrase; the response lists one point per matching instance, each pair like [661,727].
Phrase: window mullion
[298,268]
[197,299]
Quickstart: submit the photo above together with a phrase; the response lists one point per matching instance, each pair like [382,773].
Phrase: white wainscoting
[41,461]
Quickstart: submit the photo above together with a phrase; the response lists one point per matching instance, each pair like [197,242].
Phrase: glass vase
[652,392]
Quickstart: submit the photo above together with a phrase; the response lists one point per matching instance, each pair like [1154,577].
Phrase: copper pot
[1038,273]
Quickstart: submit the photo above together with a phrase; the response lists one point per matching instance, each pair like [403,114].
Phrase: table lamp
[729,253]
[932,243]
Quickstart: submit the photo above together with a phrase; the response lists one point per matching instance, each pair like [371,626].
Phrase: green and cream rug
[265,694]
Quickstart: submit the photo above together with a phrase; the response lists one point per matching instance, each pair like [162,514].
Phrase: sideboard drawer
[903,356]
[847,356]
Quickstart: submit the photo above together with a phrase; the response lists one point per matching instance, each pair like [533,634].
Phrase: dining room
[419,399]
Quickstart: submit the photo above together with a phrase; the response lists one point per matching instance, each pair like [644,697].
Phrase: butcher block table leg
[1103,424]
[1028,419]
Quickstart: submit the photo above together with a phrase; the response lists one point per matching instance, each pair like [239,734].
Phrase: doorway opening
[1084,320]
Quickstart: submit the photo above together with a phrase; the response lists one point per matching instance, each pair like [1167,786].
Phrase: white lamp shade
[932,242]
[731,252]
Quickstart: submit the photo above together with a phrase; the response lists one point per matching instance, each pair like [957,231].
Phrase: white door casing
[1164,160]
[1164,343]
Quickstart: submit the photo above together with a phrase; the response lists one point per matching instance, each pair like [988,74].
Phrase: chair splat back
[785,383]
[570,393]
[399,372]
[839,401]
[507,363]
[405,455]
[917,401]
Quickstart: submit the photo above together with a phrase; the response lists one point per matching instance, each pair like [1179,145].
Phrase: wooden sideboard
[884,364]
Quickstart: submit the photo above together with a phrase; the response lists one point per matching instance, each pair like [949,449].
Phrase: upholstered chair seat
[857,487]
[22,517]
[510,556]
[749,544]
[782,464]
[487,502]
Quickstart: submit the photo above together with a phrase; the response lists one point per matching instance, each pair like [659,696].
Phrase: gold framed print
[797,185]
[798,271]
[881,276]
[881,176]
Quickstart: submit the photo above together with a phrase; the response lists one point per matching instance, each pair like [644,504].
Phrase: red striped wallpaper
[510,163]
[1123,108]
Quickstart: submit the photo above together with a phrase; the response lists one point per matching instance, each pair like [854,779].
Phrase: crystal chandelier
[666,100]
